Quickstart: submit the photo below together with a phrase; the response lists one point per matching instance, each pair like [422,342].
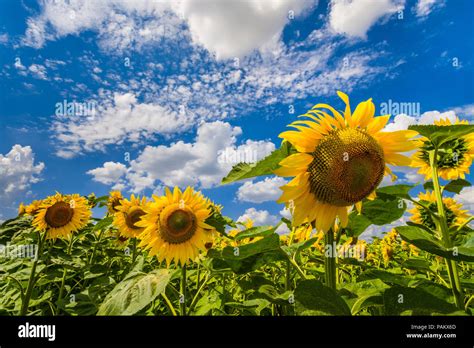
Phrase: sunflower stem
[63,279]
[330,260]
[170,305]
[442,225]
[31,281]
[182,291]
[134,252]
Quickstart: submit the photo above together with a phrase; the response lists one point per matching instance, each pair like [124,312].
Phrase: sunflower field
[178,254]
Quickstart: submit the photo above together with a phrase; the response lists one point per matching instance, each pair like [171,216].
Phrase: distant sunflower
[61,215]
[114,201]
[339,161]
[174,226]
[453,158]
[303,232]
[454,214]
[21,209]
[128,214]
[33,207]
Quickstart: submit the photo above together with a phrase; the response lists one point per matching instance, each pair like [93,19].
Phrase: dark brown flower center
[348,165]
[59,214]
[178,227]
[133,217]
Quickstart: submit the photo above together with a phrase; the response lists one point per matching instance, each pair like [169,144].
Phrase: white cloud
[236,28]
[229,28]
[466,197]
[114,122]
[3,38]
[109,174]
[465,112]
[356,17]
[261,191]
[18,171]
[259,217]
[38,71]
[425,7]
[198,163]
[402,121]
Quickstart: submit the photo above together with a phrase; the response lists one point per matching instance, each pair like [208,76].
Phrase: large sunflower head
[340,160]
[61,215]
[174,226]
[114,201]
[453,157]
[454,214]
[128,214]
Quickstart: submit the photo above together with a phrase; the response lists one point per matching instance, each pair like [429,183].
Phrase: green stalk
[134,253]
[451,265]
[170,305]
[330,261]
[182,290]
[63,280]
[26,300]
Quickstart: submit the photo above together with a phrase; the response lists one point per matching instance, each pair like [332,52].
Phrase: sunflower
[340,160]
[114,201]
[21,209]
[33,207]
[174,226]
[455,216]
[453,158]
[128,214]
[61,215]
[248,223]
[303,232]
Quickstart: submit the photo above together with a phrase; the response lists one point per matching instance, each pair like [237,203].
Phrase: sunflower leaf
[439,135]
[265,166]
[457,185]
[135,292]
[425,241]
[313,298]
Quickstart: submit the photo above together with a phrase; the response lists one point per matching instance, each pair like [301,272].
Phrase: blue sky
[173,93]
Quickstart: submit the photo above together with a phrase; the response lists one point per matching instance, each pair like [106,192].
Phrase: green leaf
[270,293]
[417,265]
[456,185]
[425,241]
[219,222]
[259,231]
[400,299]
[387,277]
[358,223]
[265,166]
[381,212]
[269,243]
[428,186]
[313,298]
[135,292]
[103,224]
[439,135]
[399,191]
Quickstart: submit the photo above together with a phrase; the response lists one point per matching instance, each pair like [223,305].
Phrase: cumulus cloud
[466,197]
[425,7]
[18,171]
[235,28]
[201,163]
[228,28]
[261,191]
[355,17]
[115,121]
[259,217]
[403,121]
[109,174]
